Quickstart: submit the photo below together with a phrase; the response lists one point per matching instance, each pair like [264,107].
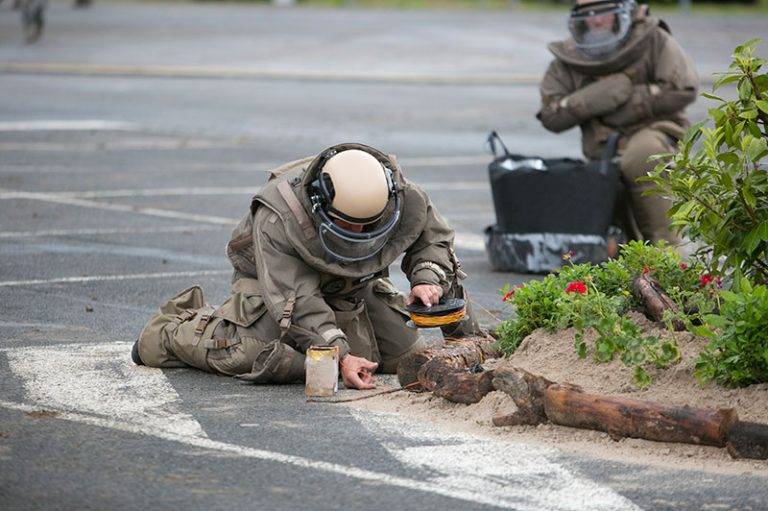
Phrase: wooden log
[431,365]
[748,440]
[623,417]
[655,300]
[526,390]
[465,387]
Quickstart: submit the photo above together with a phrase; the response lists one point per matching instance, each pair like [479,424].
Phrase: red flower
[576,286]
[508,296]
[683,266]
[647,270]
[708,279]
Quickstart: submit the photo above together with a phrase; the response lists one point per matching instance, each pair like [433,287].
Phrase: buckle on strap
[219,344]
[285,320]
[187,314]
[200,328]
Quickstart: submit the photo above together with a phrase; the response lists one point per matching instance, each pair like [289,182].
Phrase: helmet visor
[599,28]
[350,246]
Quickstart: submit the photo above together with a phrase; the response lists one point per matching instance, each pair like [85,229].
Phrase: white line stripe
[65,125]
[261,454]
[126,230]
[524,476]
[113,278]
[210,190]
[162,213]
[413,162]
[216,72]
[101,379]
[121,145]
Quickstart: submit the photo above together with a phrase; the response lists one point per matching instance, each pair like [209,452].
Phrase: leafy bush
[595,298]
[718,182]
[737,354]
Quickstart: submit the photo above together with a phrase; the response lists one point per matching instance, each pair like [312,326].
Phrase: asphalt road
[121,173]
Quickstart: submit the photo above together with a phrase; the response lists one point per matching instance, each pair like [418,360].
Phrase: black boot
[135,354]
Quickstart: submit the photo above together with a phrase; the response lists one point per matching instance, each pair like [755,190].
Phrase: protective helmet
[354,201]
[600,28]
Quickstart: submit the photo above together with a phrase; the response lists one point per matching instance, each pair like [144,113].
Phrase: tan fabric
[282,276]
[663,78]
[649,212]
[649,114]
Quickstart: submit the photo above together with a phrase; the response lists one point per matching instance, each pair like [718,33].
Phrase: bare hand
[428,294]
[357,372]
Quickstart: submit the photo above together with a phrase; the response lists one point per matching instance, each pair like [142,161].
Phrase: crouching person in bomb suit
[311,261]
[621,71]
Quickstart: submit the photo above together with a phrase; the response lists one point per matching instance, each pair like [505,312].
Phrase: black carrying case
[546,207]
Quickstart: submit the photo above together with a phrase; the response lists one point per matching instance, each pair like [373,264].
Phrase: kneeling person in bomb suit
[622,71]
[311,260]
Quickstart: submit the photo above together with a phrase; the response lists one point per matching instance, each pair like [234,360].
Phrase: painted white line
[142,144]
[406,162]
[520,476]
[223,72]
[156,212]
[113,278]
[101,379]
[67,125]
[105,231]
[380,478]
[469,241]
[208,191]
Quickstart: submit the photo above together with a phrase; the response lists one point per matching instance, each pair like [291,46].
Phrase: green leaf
[702,331]
[762,105]
[756,236]
[712,96]
[715,320]
[725,79]
[748,114]
[756,149]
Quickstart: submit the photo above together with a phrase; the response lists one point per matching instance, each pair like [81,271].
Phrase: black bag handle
[609,151]
[492,140]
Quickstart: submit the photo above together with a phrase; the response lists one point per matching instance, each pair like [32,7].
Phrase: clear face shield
[600,28]
[350,246]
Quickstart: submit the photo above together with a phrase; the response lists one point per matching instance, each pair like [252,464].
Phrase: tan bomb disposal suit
[288,295]
[640,92]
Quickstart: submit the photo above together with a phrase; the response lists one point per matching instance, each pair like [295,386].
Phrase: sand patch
[553,356]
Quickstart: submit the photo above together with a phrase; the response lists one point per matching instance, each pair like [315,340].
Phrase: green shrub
[718,182]
[737,354]
[595,298]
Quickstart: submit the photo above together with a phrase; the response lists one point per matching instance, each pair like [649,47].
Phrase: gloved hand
[599,98]
[636,109]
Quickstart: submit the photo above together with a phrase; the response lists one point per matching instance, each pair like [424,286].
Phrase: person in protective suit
[621,71]
[311,260]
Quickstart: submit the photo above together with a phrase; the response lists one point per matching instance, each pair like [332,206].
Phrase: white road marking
[218,447]
[520,476]
[101,380]
[122,208]
[105,231]
[255,167]
[138,144]
[469,241]
[113,278]
[229,72]
[67,125]
[207,191]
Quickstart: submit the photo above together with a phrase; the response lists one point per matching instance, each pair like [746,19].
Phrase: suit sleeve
[291,288]
[563,106]
[674,86]
[431,259]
